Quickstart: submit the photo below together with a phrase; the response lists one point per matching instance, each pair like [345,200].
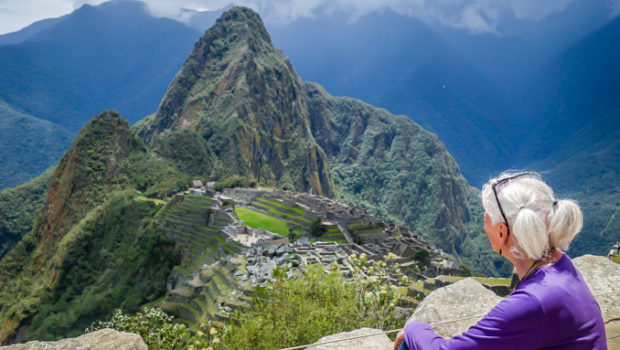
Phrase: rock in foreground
[467,300]
[102,339]
[376,342]
[603,277]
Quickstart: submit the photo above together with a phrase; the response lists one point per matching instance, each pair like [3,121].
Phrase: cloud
[476,16]
[79,3]
[16,14]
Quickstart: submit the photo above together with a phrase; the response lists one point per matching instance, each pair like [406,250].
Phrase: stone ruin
[376,237]
[218,277]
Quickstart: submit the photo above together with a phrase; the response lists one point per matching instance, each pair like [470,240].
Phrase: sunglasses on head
[501,182]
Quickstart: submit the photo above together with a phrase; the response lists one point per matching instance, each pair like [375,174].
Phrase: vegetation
[156,328]
[421,255]
[317,229]
[94,246]
[108,260]
[393,168]
[233,182]
[28,145]
[18,208]
[155,178]
[290,312]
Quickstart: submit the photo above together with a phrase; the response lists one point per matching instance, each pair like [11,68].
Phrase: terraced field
[201,298]
[201,281]
[365,230]
[296,219]
[196,223]
[334,234]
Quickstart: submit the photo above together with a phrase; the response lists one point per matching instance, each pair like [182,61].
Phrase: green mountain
[19,207]
[93,246]
[28,145]
[236,108]
[580,114]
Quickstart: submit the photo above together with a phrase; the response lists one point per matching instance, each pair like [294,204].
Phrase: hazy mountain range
[541,94]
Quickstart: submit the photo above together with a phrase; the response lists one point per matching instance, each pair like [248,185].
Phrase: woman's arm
[515,323]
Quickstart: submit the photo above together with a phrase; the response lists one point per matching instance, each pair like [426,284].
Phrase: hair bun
[564,223]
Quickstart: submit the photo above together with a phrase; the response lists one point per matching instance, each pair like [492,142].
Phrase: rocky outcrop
[101,339]
[467,300]
[368,342]
[603,277]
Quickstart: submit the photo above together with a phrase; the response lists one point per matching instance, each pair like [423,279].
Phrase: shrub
[287,312]
[233,182]
[421,255]
[302,310]
[317,229]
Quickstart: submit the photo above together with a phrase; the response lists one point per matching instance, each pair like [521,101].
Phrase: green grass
[483,280]
[281,205]
[615,258]
[419,286]
[275,210]
[156,201]
[338,240]
[257,219]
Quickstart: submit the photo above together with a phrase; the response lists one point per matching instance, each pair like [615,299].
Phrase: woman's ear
[503,233]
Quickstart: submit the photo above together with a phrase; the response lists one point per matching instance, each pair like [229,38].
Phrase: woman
[551,307]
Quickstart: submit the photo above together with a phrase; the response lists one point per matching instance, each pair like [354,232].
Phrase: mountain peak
[242,104]
[86,171]
[244,21]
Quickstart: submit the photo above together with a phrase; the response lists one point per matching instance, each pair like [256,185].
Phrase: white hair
[536,219]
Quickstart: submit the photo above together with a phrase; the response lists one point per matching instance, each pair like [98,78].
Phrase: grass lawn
[281,205]
[156,201]
[484,280]
[257,219]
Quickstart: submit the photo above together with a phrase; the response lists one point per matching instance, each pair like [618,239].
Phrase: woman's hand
[400,338]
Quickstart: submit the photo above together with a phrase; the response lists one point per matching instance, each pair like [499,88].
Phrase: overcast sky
[474,15]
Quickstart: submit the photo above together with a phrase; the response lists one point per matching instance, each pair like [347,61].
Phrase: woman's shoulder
[554,280]
[557,288]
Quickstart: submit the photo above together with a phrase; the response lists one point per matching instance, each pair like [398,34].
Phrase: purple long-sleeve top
[552,308]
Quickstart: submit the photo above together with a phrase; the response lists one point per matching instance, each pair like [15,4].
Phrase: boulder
[466,300]
[603,277]
[379,341]
[101,339]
